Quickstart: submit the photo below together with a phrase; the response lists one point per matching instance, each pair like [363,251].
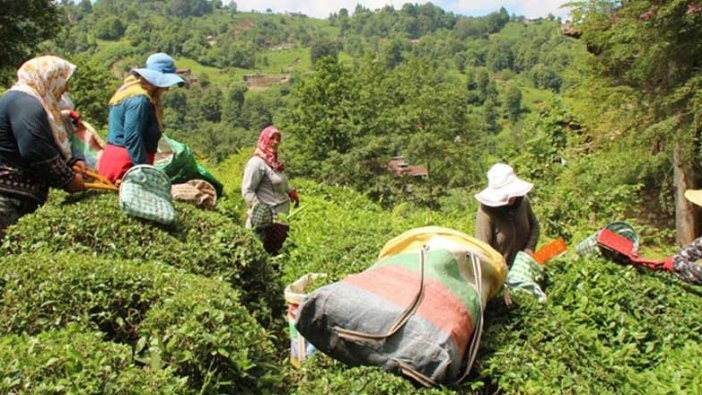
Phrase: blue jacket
[133,125]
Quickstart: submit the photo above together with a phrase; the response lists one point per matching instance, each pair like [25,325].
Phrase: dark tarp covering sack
[417,311]
[178,162]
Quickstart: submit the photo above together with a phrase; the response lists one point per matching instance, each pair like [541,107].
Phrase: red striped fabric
[398,285]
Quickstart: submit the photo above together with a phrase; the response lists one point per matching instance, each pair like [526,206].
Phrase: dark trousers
[12,208]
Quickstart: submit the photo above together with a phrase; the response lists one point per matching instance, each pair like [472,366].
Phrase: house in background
[400,168]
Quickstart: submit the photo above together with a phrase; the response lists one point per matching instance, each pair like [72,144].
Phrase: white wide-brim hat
[694,196]
[503,184]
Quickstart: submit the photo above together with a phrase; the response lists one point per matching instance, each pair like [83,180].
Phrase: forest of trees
[448,92]
[603,114]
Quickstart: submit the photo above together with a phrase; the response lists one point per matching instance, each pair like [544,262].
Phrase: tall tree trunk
[687,223]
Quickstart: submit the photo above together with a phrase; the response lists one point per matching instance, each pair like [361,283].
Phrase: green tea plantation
[93,301]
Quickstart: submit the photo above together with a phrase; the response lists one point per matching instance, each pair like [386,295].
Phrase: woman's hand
[76,184]
[293,197]
[81,166]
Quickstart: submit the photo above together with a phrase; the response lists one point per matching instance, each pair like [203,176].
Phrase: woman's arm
[252,179]
[483,227]
[534,227]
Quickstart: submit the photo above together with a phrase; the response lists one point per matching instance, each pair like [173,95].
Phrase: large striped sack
[417,311]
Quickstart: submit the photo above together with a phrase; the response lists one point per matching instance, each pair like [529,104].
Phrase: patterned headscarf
[263,148]
[45,78]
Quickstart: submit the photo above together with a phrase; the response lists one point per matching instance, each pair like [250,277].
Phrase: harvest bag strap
[402,319]
[475,340]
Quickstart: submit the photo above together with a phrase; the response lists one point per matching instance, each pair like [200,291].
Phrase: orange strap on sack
[549,251]
[96,181]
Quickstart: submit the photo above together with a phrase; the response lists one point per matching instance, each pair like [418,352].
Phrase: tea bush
[204,333]
[202,242]
[605,329]
[43,292]
[191,324]
[71,361]
[323,375]
[339,231]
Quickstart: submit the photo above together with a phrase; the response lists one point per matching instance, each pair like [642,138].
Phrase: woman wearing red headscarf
[265,181]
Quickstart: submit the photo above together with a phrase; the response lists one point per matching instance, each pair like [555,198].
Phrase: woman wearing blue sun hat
[136,116]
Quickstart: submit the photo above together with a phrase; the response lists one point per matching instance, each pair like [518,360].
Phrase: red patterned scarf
[263,148]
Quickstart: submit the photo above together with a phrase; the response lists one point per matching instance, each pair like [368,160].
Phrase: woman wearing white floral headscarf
[35,149]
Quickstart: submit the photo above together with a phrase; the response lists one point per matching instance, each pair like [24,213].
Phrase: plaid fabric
[261,216]
[145,193]
[526,274]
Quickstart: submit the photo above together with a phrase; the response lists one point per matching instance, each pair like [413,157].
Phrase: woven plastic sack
[418,311]
[145,193]
[197,192]
[85,143]
[589,245]
[526,275]
[295,294]
[178,162]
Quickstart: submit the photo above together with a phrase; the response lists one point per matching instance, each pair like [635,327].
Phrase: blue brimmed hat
[160,71]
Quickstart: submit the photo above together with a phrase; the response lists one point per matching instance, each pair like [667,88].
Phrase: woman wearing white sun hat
[685,264]
[505,218]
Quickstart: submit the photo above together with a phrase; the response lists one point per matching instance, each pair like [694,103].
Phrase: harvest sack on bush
[417,311]
[295,294]
[526,274]
[197,192]
[145,193]
[86,143]
[178,162]
[590,246]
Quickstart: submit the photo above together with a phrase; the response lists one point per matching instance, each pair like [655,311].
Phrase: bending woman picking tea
[35,149]
[505,218]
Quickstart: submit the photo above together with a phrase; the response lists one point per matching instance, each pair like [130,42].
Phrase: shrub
[207,336]
[192,324]
[606,328]
[323,375]
[339,231]
[43,292]
[71,361]
[202,242]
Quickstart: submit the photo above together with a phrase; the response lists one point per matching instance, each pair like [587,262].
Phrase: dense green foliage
[601,125]
[190,325]
[203,243]
[23,25]
[71,361]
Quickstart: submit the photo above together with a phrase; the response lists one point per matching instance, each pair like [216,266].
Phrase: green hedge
[203,242]
[606,328]
[204,332]
[174,319]
[42,292]
[323,375]
[71,361]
